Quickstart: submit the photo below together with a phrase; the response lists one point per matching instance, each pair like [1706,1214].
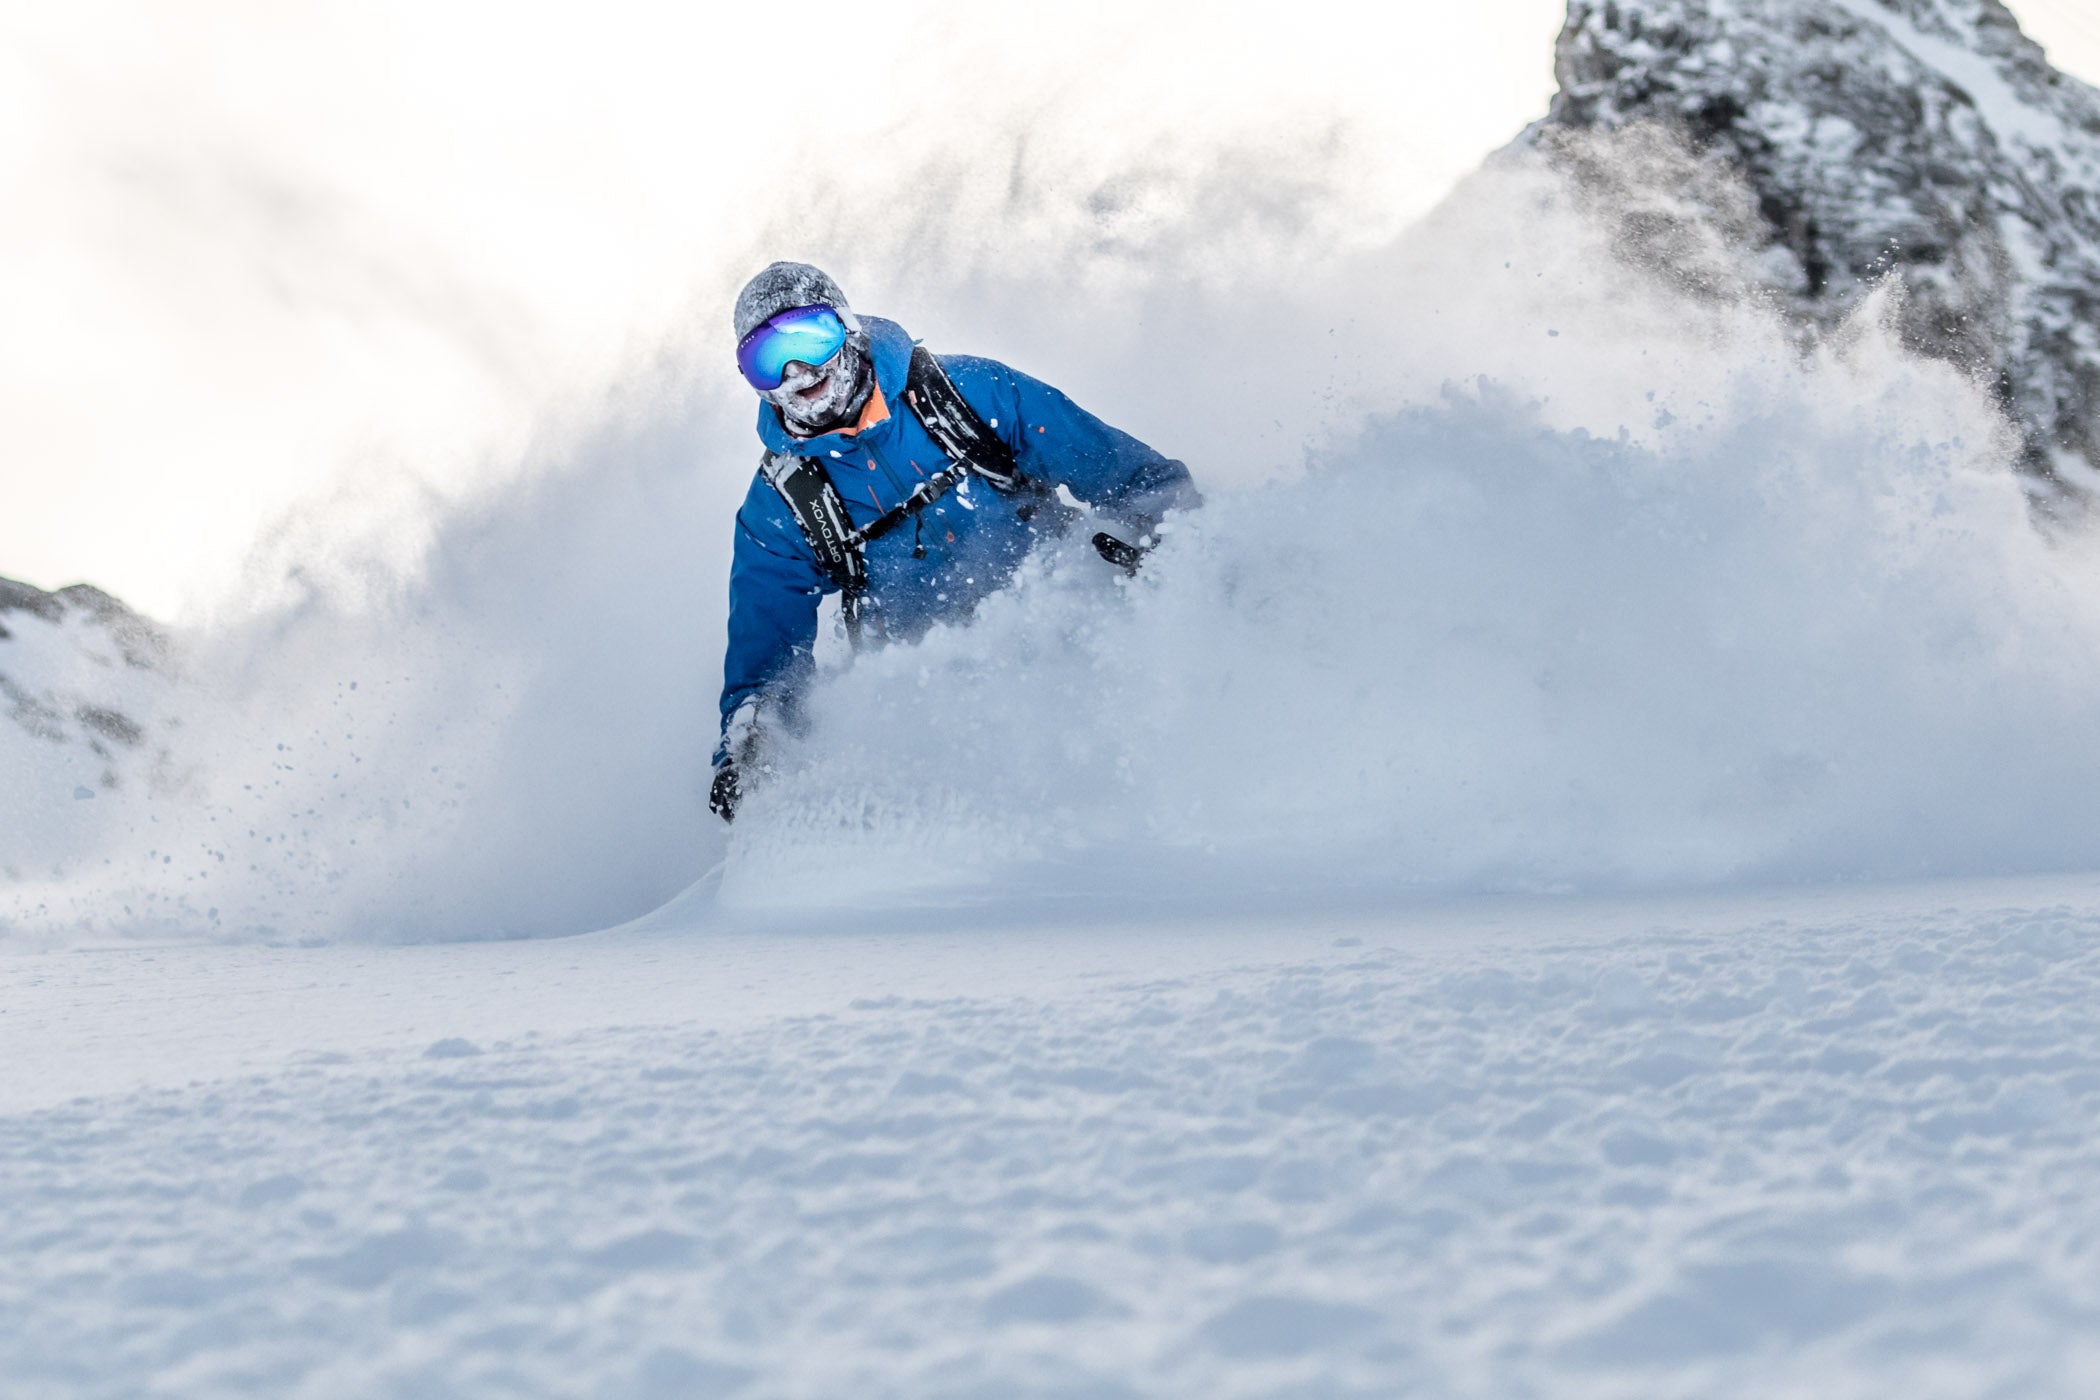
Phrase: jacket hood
[889,346]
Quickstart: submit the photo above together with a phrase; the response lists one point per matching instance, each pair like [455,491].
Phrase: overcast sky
[254,250]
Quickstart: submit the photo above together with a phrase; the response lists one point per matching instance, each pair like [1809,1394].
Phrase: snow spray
[1524,566]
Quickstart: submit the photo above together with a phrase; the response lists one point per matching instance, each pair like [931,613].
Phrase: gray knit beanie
[783,287]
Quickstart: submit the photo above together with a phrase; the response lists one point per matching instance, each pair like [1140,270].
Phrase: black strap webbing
[815,504]
[970,444]
[953,425]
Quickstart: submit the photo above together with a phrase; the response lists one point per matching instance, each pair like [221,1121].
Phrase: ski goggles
[810,334]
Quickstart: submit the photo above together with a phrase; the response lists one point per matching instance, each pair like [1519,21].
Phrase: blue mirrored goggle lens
[811,334]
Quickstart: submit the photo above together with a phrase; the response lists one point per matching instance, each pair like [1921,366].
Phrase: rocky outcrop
[80,669]
[1928,141]
[137,639]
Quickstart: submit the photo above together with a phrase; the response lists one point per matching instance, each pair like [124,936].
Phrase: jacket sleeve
[1059,443]
[774,588]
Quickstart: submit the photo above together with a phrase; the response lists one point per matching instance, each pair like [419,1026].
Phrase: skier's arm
[1059,443]
[774,587]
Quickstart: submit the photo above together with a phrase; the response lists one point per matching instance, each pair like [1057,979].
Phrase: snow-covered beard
[847,379]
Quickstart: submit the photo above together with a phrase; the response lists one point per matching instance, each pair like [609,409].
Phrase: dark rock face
[1928,139]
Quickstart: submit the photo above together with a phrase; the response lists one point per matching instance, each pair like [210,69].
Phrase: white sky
[254,248]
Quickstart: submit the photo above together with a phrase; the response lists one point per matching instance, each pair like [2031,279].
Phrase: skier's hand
[726,793]
[743,739]
[1125,556]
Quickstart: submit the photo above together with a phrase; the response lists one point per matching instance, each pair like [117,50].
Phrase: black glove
[725,794]
[1124,556]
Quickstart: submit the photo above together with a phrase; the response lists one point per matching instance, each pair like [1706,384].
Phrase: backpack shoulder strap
[821,515]
[815,504]
[954,426]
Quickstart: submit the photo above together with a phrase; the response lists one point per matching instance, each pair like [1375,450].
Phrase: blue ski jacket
[973,538]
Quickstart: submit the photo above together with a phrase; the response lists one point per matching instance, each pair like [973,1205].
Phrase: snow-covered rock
[1926,138]
[83,684]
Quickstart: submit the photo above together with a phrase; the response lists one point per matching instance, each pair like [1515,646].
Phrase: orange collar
[874,411]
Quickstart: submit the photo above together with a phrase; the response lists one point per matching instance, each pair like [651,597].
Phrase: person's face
[818,398]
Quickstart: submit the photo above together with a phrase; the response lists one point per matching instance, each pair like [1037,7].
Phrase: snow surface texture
[1837,1147]
[1930,138]
[1641,598]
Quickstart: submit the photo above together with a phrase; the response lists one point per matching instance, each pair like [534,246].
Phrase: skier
[910,484]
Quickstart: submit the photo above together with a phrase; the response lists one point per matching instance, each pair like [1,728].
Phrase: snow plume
[1523,567]
[509,738]
[1651,600]
[489,713]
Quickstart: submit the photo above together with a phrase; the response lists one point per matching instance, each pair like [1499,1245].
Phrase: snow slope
[1275,976]
[1831,1145]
